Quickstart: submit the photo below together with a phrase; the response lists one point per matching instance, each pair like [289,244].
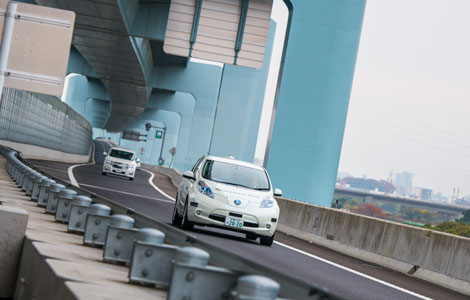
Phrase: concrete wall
[12,230]
[430,255]
[36,152]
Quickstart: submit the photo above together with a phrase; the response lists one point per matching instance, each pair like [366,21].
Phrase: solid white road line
[353,271]
[156,187]
[126,193]
[73,181]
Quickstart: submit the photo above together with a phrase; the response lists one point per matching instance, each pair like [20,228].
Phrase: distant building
[421,193]
[402,183]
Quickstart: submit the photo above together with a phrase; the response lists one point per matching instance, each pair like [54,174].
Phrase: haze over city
[409,104]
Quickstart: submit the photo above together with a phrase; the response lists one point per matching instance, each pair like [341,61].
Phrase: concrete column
[12,230]
[317,75]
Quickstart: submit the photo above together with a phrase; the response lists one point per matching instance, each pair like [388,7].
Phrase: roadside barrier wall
[427,254]
[45,122]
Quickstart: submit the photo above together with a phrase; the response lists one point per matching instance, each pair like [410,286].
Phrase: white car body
[229,205]
[120,161]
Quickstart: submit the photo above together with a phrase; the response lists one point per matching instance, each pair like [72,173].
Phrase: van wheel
[131,178]
[104,173]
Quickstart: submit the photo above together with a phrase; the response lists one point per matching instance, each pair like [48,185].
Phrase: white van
[120,161]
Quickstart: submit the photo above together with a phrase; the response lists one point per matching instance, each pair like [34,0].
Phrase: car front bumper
[209,212]
[107,168]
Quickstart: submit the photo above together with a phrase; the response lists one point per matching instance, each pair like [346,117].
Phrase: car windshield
[121,154]
[235,175]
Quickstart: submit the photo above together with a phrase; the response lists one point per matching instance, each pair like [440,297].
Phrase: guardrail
[235,276]
[44,121]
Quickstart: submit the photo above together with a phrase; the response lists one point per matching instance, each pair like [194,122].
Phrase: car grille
[250,224]
[217,218]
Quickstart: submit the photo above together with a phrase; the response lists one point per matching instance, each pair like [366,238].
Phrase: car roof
[122,149]
[234,161]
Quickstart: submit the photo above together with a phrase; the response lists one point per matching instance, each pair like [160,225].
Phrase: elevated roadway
[401,200]
[345,276]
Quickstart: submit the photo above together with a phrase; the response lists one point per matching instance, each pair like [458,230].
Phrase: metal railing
[44,121]
[228,263]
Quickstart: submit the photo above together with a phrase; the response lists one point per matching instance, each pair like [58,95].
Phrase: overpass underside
[128,78]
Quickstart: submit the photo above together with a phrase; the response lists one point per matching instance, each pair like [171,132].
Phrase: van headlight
[108,162]
[267,202]
[205,189]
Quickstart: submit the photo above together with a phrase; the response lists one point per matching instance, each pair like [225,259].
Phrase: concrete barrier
[13,223]
[37,152]
[174,174]
[430,255]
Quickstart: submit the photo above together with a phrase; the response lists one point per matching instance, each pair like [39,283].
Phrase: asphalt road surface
[341,274]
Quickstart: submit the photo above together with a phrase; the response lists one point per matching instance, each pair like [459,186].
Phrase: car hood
[244,195]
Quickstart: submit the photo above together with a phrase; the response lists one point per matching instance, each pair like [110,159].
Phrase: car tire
[185,223]
[104,173]
[176,218]
[266,241]
[251,236]
[131,178]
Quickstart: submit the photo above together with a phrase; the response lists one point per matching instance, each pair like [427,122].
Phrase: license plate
[234,222]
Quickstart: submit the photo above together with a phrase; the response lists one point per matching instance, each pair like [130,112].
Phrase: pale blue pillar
[313,100]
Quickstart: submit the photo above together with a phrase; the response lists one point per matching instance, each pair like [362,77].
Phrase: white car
[120,161]
[229,194]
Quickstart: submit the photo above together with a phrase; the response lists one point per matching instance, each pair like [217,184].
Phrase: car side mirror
[189,175]
[277,193]
[138,160]
[105,153]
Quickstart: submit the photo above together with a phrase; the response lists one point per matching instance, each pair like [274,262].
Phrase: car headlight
[267,202]
[107,161]
[205,189]
[130,166]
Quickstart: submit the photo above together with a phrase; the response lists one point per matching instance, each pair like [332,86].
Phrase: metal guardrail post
[151,263]
[78,212]
[97,222]
[255,287]
[64,205]
[53,197]
[36,186]
[43,191]
[120,238]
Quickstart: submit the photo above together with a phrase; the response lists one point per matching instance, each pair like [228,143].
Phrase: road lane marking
[156,187]
[73,181]
[353,271]
[126,193]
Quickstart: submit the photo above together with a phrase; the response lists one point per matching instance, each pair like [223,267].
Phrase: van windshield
[235,175]
[121,154]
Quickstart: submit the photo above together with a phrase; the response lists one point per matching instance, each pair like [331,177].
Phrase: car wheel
[104,173]
[266,241]
[185,223]
[131,178]
[251,236]
[176,218]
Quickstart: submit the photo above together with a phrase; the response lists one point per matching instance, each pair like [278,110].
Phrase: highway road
[343,275]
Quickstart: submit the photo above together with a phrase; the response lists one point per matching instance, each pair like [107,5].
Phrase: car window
[235,175]
[121,154]
[196,165]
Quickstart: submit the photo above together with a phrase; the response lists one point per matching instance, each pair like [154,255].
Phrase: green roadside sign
[158,134]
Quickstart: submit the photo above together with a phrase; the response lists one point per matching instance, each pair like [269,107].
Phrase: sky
[410,103]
